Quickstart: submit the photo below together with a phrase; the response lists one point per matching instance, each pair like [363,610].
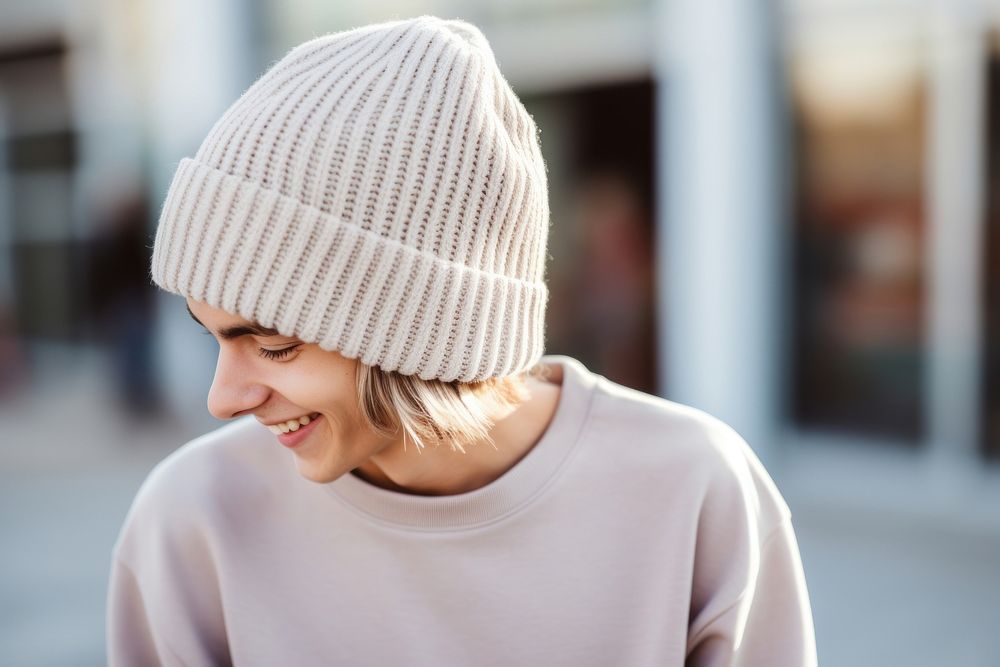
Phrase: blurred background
[785,213]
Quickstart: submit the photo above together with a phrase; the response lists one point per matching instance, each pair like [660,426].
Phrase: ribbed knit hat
[380,192]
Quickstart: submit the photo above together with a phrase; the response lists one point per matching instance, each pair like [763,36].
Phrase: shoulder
[653,426]
[202,484]
[674,448]
[231,460]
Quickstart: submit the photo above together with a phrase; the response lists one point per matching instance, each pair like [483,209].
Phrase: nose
[235,391]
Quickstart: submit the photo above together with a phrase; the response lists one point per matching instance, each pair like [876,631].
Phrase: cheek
[333,399]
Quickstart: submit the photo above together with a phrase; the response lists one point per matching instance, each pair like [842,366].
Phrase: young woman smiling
[281,380]
[406,478]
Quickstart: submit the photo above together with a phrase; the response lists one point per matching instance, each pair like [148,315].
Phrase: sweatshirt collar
[516,488]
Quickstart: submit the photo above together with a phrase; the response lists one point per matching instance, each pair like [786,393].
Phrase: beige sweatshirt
[636,532]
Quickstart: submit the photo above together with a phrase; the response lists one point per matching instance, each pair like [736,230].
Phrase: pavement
[70,464]
[888,592]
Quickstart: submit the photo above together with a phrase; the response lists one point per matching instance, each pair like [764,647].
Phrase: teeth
[292,424]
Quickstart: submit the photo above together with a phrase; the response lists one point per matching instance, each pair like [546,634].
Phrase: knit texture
[379,192]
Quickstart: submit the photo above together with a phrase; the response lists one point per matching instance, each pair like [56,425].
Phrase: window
[598,146]
[858,101]
[990,444]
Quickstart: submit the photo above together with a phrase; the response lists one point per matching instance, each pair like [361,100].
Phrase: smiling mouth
[292,424]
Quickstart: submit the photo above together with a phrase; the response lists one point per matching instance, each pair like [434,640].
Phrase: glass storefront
[859,225]
[598,147]
[990,442]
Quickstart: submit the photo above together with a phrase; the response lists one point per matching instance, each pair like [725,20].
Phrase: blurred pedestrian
[123,304]
[408,480]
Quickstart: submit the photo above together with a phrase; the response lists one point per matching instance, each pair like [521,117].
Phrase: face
[277,378]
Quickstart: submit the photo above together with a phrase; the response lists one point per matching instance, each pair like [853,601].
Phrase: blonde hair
[434,410]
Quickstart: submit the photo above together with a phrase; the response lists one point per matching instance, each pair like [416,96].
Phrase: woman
[408,480]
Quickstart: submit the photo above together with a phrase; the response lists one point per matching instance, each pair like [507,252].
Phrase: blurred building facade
[783,213]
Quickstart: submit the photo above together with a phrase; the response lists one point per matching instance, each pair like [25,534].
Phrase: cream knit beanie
[380,192]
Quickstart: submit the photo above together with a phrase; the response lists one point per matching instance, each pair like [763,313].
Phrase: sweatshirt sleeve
[130,638]
[164,604]
[749,603]
[770,622]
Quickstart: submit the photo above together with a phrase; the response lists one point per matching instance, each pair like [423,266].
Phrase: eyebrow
[229,333]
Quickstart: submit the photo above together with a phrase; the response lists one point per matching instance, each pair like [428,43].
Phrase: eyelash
[268,354]
[276,354]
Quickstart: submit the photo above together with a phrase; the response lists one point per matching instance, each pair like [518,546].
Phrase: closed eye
[276,354]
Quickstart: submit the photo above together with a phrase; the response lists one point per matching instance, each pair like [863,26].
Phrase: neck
[438,470]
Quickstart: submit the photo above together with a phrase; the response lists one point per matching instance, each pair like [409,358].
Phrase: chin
[318,475]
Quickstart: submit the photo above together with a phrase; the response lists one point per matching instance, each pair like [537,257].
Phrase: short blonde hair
[434,410]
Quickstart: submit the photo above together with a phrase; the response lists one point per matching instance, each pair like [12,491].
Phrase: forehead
[226,325]
[203,311]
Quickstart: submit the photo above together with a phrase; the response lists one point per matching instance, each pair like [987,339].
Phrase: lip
[293,439]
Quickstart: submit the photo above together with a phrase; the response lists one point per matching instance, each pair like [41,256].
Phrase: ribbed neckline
[504,495]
